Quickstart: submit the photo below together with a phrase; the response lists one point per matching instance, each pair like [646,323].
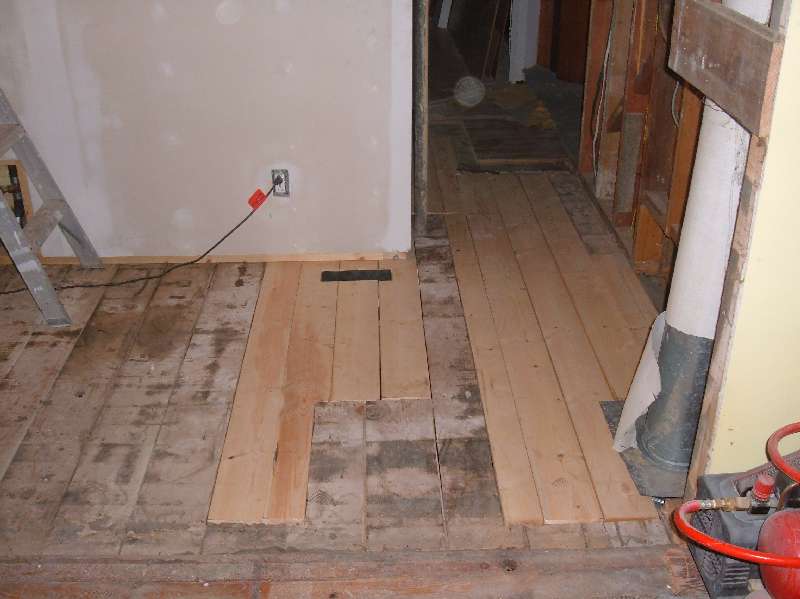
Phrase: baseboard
[334,257]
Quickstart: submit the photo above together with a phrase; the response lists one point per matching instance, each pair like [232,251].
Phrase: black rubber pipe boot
[666,432]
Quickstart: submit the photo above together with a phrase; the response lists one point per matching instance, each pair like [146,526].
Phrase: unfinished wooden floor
[557,322]
[238,407]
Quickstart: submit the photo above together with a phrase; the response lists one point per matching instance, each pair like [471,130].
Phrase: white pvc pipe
[758,10]
[444,14]
[705,244]
[711,209]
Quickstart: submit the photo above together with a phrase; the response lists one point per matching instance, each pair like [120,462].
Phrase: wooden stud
[421,44]
[683,164]
[546,25]
[610,123]
[599,23]
[635,102]
[648,243]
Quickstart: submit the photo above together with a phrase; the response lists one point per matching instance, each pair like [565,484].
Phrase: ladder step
[44,220]
[30,269]
[9,135]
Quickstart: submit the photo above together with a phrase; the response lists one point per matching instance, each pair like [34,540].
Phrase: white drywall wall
[524,37]
[160,118]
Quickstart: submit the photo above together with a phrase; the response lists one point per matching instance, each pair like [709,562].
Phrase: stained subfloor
[113,431]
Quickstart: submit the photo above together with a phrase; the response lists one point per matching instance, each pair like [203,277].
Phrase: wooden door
[570,39]
[478,28]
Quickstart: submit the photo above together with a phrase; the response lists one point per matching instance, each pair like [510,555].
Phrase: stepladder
[23,243]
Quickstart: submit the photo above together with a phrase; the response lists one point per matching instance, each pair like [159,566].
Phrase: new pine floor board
[309,366]
[510,199]
[581,379]
[617,348]
[562,478]
[244,479]
[515,480]
[631,298]
[356,352]
[403,356]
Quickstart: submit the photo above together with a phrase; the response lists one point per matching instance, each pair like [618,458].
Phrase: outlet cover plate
[281,190]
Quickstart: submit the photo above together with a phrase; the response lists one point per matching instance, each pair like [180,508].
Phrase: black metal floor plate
[329,276]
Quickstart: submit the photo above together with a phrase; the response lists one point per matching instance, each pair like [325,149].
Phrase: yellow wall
[761,391]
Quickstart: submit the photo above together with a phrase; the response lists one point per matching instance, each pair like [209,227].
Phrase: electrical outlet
[282,188]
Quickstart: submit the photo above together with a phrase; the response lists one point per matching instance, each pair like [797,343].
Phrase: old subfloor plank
[454,198]
[19,315]
[38,477]
[173,501]
[356,353]
[644,572]
[404,361]
[435,203]
[103,491]
[309,365]
[36,368]
[518,494]
[244,479]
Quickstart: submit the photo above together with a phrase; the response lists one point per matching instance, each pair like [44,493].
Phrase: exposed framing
[734,278]
[420,113]
[26,200]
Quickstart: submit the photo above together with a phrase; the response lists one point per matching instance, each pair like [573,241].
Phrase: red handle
[775,456]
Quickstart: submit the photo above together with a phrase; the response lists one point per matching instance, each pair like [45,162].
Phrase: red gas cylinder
[780,535]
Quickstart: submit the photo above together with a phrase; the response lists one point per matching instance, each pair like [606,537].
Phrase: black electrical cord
[166,271]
